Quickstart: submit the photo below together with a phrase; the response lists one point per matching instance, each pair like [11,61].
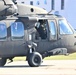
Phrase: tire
[2,62]
[34,59]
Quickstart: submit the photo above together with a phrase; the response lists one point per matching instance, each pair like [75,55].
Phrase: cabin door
[41,35]
[18,37]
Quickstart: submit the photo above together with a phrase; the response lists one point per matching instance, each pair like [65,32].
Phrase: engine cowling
[7,9]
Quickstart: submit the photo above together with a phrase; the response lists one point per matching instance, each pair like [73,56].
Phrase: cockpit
[51,27]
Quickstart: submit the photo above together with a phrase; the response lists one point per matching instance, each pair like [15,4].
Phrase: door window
[52,28]
[3,31]
[17,30]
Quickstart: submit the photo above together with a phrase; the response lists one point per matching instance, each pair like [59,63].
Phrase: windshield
[64,27]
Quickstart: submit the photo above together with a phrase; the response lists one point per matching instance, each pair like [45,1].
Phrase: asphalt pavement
[48,67]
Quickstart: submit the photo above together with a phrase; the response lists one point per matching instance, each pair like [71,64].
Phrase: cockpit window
[3,31]
[64,27]
[17,30]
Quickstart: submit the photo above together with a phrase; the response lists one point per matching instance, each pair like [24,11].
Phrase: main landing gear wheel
[2,61]
[34,59]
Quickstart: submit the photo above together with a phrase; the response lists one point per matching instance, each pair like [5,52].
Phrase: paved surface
[48,67]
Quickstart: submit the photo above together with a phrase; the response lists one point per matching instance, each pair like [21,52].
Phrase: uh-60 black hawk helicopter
[30,31]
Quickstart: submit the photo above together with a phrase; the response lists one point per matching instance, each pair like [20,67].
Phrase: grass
[56,57]
[19,58]
[62,57]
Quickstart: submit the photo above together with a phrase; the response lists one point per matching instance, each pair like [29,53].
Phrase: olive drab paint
[32,32]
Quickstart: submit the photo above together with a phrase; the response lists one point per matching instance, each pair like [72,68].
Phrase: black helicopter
[30,31]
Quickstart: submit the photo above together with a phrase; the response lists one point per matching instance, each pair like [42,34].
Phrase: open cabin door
[52,30]
[41,30]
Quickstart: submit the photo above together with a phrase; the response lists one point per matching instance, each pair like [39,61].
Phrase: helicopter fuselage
[18,33]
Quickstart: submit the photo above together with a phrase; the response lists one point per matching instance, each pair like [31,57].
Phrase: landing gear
[2,61]
[34,59]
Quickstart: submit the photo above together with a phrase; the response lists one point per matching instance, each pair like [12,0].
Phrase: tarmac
[48,67]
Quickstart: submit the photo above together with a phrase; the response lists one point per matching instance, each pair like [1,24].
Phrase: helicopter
[30,31]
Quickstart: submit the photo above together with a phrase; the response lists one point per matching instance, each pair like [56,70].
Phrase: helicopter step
[57,51]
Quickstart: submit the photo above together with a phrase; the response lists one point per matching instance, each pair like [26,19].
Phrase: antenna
[49,11]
